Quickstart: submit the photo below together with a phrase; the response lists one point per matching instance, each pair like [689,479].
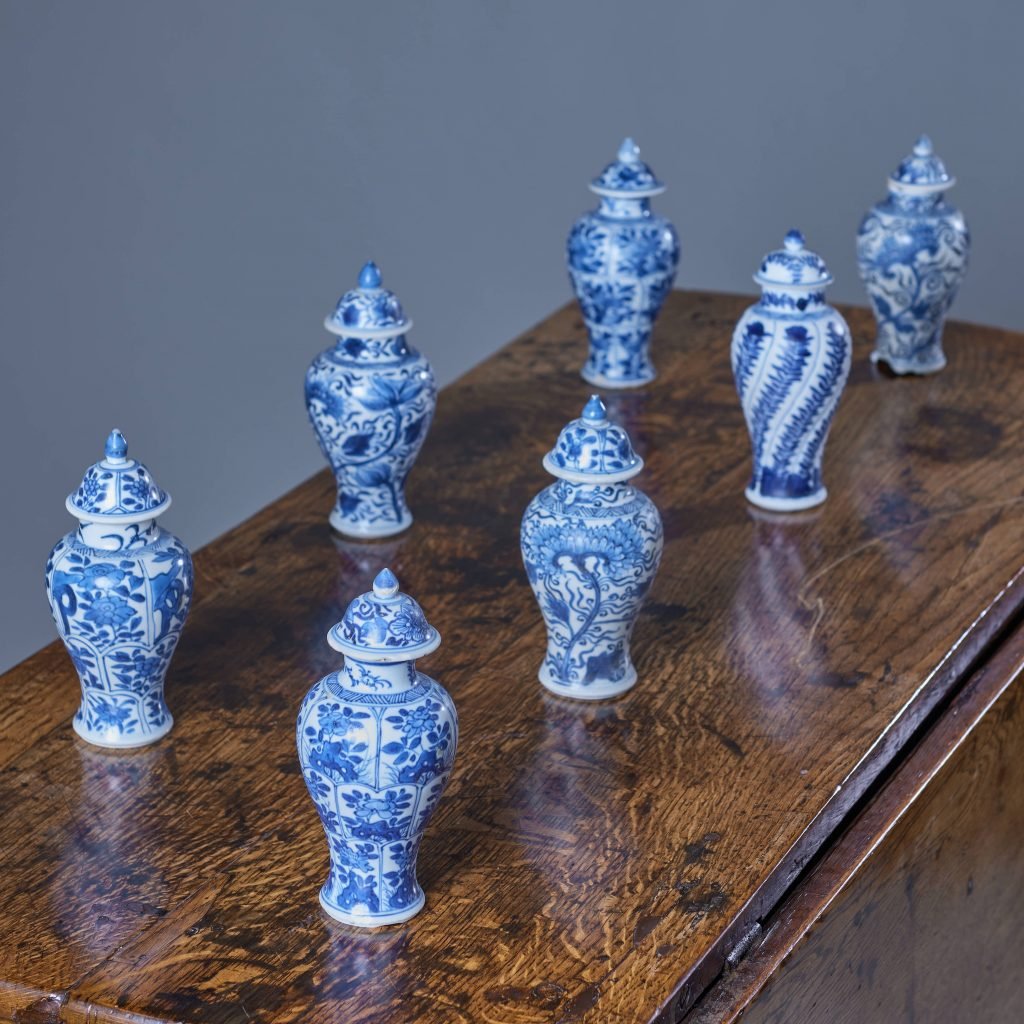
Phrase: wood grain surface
[914,913]
[588,863]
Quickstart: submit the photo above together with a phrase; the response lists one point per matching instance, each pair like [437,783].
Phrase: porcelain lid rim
[919,188]
[121,518]
[382,655]
[575,476]
[767,282]
[366,332]
[627,193]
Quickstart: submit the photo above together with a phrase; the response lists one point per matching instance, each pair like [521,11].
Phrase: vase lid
[369,310]
[384,625]
[921,172]
[627,176]
[117,489]
[593,450]
[793,266]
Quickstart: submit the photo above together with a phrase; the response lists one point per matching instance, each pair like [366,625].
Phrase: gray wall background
[186,188]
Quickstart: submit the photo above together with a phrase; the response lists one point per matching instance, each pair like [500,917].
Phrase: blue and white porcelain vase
[912,253]
[622,261]
[370,398]
[591,545]
[119,588]
[376,743]
[790,357]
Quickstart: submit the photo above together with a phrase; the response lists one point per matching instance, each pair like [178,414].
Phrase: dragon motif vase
[376,743]
[119,589]
[591,545]
[370,398]
[912,252]
[790,357]
[622,261]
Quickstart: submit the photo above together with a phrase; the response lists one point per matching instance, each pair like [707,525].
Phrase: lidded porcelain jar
[376,743]
[622,261]
[591,545]
[912,252]
[790,357]
[119,588]
[371,399]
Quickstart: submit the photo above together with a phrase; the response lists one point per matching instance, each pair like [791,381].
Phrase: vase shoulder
[630,248]
[356,354]
[596,505]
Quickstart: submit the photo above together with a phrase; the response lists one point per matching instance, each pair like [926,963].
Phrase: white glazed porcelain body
[119,590]
[119,597]
[371,419]
[791,355]
[912,256]
[591,553]
[622,261]
[912,253]
[376,762]
[371,399]
[376,742]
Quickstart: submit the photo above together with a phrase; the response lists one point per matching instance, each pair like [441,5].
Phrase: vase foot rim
[97,740]
[908,367]
[356,920]
[368,533]
[786,504]
[600,381]
[598,690]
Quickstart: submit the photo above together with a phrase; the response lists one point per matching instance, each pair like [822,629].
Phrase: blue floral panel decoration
[912,250]
[376,743]
[119,589]
[591,545]
[622,260]
[371,398]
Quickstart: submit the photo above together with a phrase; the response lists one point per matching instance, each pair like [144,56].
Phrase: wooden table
[811,806]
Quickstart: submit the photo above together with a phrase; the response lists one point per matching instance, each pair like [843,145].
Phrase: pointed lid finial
[592,449]
[794,240]
[368,311]
[629,151]
[594,411]
[117,489]
[384,625]
[793,266]
[922,172]
[385,584]
[369,276]
[627,176]
[116,447]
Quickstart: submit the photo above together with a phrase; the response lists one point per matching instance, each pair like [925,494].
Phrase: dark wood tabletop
[589,863]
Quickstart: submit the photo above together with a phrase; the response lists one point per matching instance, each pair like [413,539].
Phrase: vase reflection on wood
[912,252]
[622,260]
[790,357]
[371,399]
[591,545]
[376,742]
[119,589]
